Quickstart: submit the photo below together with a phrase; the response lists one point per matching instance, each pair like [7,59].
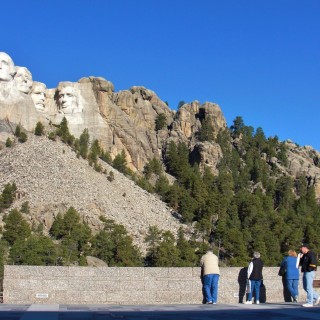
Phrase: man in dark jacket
[308,263]
[255,277]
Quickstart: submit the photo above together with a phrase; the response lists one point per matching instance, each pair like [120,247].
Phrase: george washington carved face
[6,67]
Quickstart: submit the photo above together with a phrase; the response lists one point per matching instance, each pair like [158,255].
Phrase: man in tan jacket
[210,276]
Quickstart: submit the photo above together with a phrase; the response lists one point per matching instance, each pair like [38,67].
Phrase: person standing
[255,277]
[308,262]
[291,265]
[210,274]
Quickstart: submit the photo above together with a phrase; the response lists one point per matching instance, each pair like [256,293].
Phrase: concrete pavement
[281,311]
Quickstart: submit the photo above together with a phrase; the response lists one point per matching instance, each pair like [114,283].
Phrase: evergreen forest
[249,206]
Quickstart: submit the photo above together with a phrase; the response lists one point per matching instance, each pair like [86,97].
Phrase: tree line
[249,206]
[70,240]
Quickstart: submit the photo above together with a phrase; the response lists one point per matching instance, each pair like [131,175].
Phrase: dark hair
[305,245]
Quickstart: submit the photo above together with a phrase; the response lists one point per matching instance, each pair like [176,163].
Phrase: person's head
[304,248]
[292,253]
[256,254]
[7,69]
[38,94]
[67,97]
[23,79]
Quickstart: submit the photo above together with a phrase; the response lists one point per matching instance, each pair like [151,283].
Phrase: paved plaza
[281,311]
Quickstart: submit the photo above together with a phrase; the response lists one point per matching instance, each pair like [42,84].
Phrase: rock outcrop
[123,120]
[303,161]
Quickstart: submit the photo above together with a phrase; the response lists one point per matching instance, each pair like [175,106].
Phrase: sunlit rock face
[23,79]
[16,105]
[67,97]
[7,71]
[38,95]
[123,120]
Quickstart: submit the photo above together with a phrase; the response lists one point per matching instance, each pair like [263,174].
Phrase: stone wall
[113,285]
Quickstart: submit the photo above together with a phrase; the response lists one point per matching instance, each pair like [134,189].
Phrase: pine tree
[167,254]
[73,234]
[115,246]
[153,166]
[7,196]
[106,157]
[37,250]
[160,121]
[16,228]
[84,144]
[18,131]
[206,132]
[4,250]
[39,129]
[162,186]
[95,152]
[188,257]
[120,162]
[152,238]
[64,133]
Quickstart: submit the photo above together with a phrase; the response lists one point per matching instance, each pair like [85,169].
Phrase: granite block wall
[113,285]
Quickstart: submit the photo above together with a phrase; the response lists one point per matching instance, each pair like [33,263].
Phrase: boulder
[95,262]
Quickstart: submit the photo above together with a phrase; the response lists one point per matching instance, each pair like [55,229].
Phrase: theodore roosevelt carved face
[23,79]
[7,70]
[38,95]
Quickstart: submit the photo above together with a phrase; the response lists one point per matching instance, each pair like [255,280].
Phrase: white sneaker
[248,302]
[307,305]
[257,302]
[317,301]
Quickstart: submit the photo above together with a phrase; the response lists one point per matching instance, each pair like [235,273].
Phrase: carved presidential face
[23,79]
[67,100]
[38,95]
[6,67]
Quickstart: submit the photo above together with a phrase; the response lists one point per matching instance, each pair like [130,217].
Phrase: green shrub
[23,137]
[9,143]
[39,130]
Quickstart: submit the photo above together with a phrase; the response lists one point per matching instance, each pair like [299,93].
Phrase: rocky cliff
[123,120]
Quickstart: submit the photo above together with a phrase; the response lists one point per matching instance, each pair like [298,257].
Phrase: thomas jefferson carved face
[23,79]
[68,100]
[38,95]
[6,67]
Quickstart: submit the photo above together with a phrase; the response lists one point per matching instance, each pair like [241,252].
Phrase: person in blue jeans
[210,274]
[291,265]
[308,262]
[255,277]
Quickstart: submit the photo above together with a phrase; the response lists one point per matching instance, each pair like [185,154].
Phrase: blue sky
[259,59]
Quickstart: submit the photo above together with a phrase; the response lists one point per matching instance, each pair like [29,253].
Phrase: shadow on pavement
[215,312]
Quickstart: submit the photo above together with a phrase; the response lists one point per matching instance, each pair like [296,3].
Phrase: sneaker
[317,301]
[214,303]
[210,302]
[307,305]
[248,302]
[257,302]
